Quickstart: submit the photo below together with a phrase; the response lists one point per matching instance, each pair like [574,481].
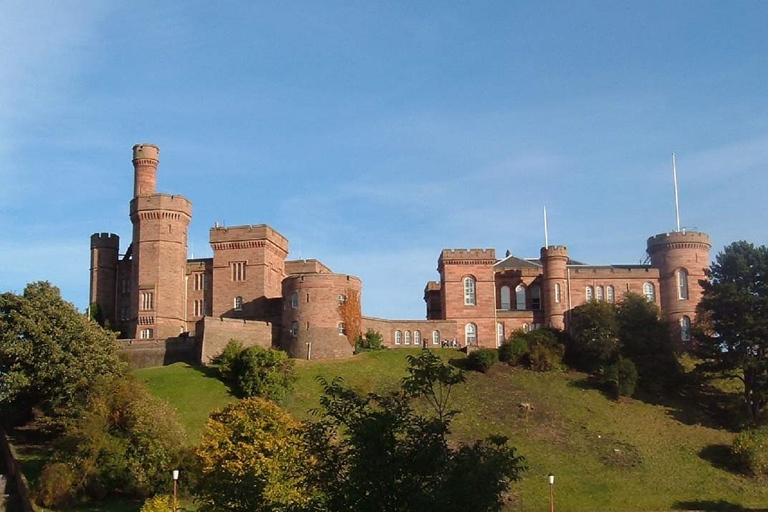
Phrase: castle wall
[104,252]
[446,330]
[157,352]
[215,333]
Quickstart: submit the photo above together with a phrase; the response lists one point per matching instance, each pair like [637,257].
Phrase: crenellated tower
[682,258]
[555,262]
[104,255]
[159,258]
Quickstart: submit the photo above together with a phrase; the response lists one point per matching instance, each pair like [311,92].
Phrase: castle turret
[104,254]
[159,253]
[682,259]
[145,161]
[555,261]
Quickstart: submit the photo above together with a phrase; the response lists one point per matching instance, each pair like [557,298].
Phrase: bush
[621,377]
[515,350]
[371,340]
[750,451]
[544,357]
[159,503]
[55,486]
[262,372]
[226,360]
[482,359]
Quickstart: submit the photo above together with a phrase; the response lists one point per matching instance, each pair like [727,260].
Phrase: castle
[157,297]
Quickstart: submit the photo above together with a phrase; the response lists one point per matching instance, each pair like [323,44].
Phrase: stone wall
[215,333]
[159,352]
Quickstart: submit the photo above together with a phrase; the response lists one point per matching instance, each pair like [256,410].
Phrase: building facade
[250,291]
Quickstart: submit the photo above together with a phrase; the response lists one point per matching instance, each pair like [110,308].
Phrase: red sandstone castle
[249,291]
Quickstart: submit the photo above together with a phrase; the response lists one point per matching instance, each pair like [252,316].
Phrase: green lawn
[605,455]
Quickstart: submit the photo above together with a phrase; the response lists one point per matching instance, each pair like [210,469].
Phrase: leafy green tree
[375,453]
[732,321]
[267,373]
[482,359]
[251,458]
[621,377]
[159,503]
[594,339]
[225,362]
[50,354]
[371,340]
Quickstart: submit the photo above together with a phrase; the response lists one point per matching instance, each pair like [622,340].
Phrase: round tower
[682,258]
[104,256]
[312,321]
[145,161]
[555,262]
[159,257]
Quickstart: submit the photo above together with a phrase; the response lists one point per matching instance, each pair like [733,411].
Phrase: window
[147,300]
[649,292]
[499,333]
[295,329]
[238,270]
[294,300]
[557,292]
[589,294]
[470,334]
[398,337]
[610,295]
[506,298]
[342,329]
[199,307]
[238,303]
[125,313]
[682,284]
[435,337]
[520,297]
[146,334]
[407,337]
[526,328]
[599,292]
[199,281]
[469,291]
[342,298]
[535,297]
[417,337]
[685,329]
[125,285]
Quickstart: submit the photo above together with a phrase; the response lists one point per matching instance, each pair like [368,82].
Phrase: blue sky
[375,134]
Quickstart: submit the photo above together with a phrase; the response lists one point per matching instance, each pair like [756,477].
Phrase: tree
[251,458]
[732,321]
[375,453]
[594,339]
[267,373]
[50,354]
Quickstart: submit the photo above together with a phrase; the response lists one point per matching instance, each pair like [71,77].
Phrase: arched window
[417,337]
[499,333]
[295,300]
[520,297]
[610,295]
[649,292]
[685,329]
[469,291]
[470,334]
[238,303]
[295,329]
[526,328]
[599,292]
[398,337]
[557,292]
[407,337]
[535,297]
[341,298]
[342,328]
[435,337]
[589,294]
[682,284]
[506,298]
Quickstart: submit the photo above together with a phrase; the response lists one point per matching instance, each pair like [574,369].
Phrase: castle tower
[159,252]
[682,259]
[555,261]
[104,254]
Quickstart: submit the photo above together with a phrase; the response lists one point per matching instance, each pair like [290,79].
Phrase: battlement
[464,255]
[554,251]
[105,240]
[162,202]
[146,152]
[679,239]
[248,233]
[432,286]
[311,266]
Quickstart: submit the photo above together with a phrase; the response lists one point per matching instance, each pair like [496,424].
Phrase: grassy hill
[605,455]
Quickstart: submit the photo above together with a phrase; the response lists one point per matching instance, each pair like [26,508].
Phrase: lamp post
[551,492]
[175,474]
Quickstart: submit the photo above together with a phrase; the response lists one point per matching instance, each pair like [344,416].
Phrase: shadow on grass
[720,456]
[711,505]
[211,372]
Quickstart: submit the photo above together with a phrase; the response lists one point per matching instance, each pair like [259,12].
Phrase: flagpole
[677,201]
[546,234]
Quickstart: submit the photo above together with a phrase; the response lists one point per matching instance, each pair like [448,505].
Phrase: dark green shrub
[262,372]
[226,360]
[515,350]
[621,377]
[750,451]
[371,340]
[55,486]
[543,357]
[482,359]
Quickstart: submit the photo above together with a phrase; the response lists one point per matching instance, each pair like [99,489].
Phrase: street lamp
[175,474]
[551,492]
